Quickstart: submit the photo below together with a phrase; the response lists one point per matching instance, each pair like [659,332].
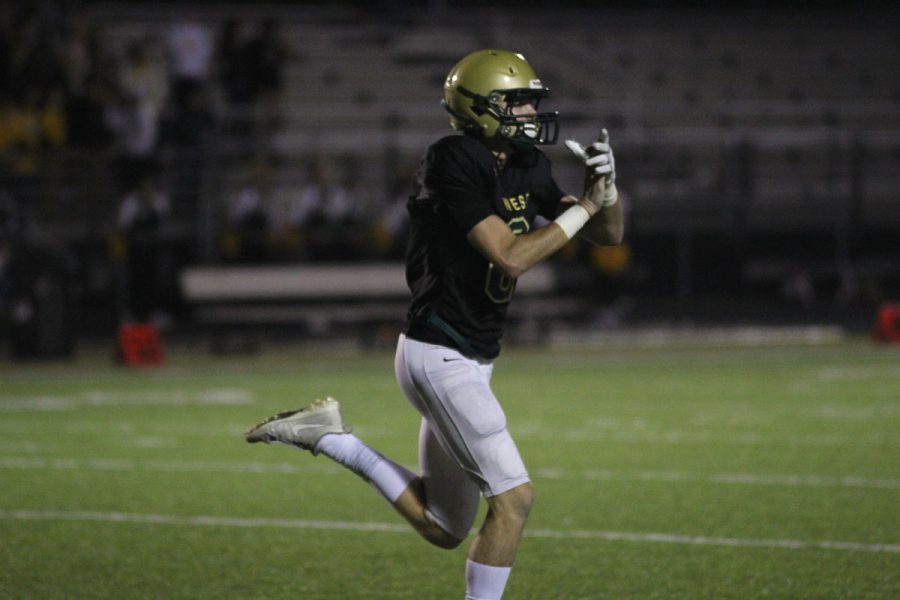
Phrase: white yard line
[196,466]
[165,466]
[856,373]
[122,428]
[123,398]
[668,538]
[523,432]
[691,438]
[767,479]
[557,534]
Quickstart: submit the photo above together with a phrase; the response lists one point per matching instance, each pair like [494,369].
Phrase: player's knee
[524,500]
[439,536]
[447,541]
[514,504]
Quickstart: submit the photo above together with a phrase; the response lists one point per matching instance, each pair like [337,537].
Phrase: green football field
[692,471]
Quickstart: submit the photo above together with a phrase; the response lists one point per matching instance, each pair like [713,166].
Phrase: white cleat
[302,428]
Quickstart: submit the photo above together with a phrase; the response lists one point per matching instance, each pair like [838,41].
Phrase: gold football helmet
[481,90]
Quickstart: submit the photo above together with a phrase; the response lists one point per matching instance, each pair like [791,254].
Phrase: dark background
[758,151]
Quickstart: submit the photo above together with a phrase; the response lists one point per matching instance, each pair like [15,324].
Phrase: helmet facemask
[520,129]
[526,129]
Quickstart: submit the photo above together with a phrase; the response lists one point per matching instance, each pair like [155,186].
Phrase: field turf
[694,472]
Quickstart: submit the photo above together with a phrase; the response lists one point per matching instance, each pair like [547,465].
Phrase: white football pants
[464,447]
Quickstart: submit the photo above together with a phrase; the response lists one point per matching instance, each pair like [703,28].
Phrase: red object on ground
[140,345]
[887,324]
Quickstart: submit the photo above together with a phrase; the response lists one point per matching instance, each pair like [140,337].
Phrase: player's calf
[309,429]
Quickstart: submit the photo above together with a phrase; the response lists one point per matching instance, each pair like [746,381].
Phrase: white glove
[600,162]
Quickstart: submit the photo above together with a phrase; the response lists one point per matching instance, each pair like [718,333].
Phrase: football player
[472,216]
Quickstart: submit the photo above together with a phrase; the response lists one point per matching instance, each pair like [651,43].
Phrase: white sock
[386,476]
[484,582]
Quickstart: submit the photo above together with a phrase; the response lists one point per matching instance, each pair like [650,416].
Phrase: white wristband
[573,220]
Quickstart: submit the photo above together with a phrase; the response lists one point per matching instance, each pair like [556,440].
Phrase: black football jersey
[459,297]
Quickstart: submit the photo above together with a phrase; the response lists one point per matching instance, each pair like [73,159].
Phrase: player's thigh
[452,392]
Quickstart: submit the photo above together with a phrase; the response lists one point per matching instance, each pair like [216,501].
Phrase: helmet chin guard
[481,91]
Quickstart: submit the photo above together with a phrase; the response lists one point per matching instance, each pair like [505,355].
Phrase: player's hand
[600,162]
[598,157]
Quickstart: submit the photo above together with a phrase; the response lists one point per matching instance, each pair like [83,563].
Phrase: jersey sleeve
[460,183]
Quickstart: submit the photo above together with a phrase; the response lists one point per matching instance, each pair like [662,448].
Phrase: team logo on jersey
[517,203]
[519,225]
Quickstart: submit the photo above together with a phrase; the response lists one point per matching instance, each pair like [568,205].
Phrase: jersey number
[498,286]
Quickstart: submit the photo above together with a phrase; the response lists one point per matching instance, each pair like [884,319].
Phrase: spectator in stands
[30,130]
[88,70]
[142,219]
[351,208]
[135,125]
[31,120]
[78,42]
[306,216]
[393,222]
[251,56]
[31,61]
[139,92]
[186,134]
[191,49]
[31,285]
[144,78]
[271,55]
[189,128]
[235,67]
[250,218]
[327,213]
